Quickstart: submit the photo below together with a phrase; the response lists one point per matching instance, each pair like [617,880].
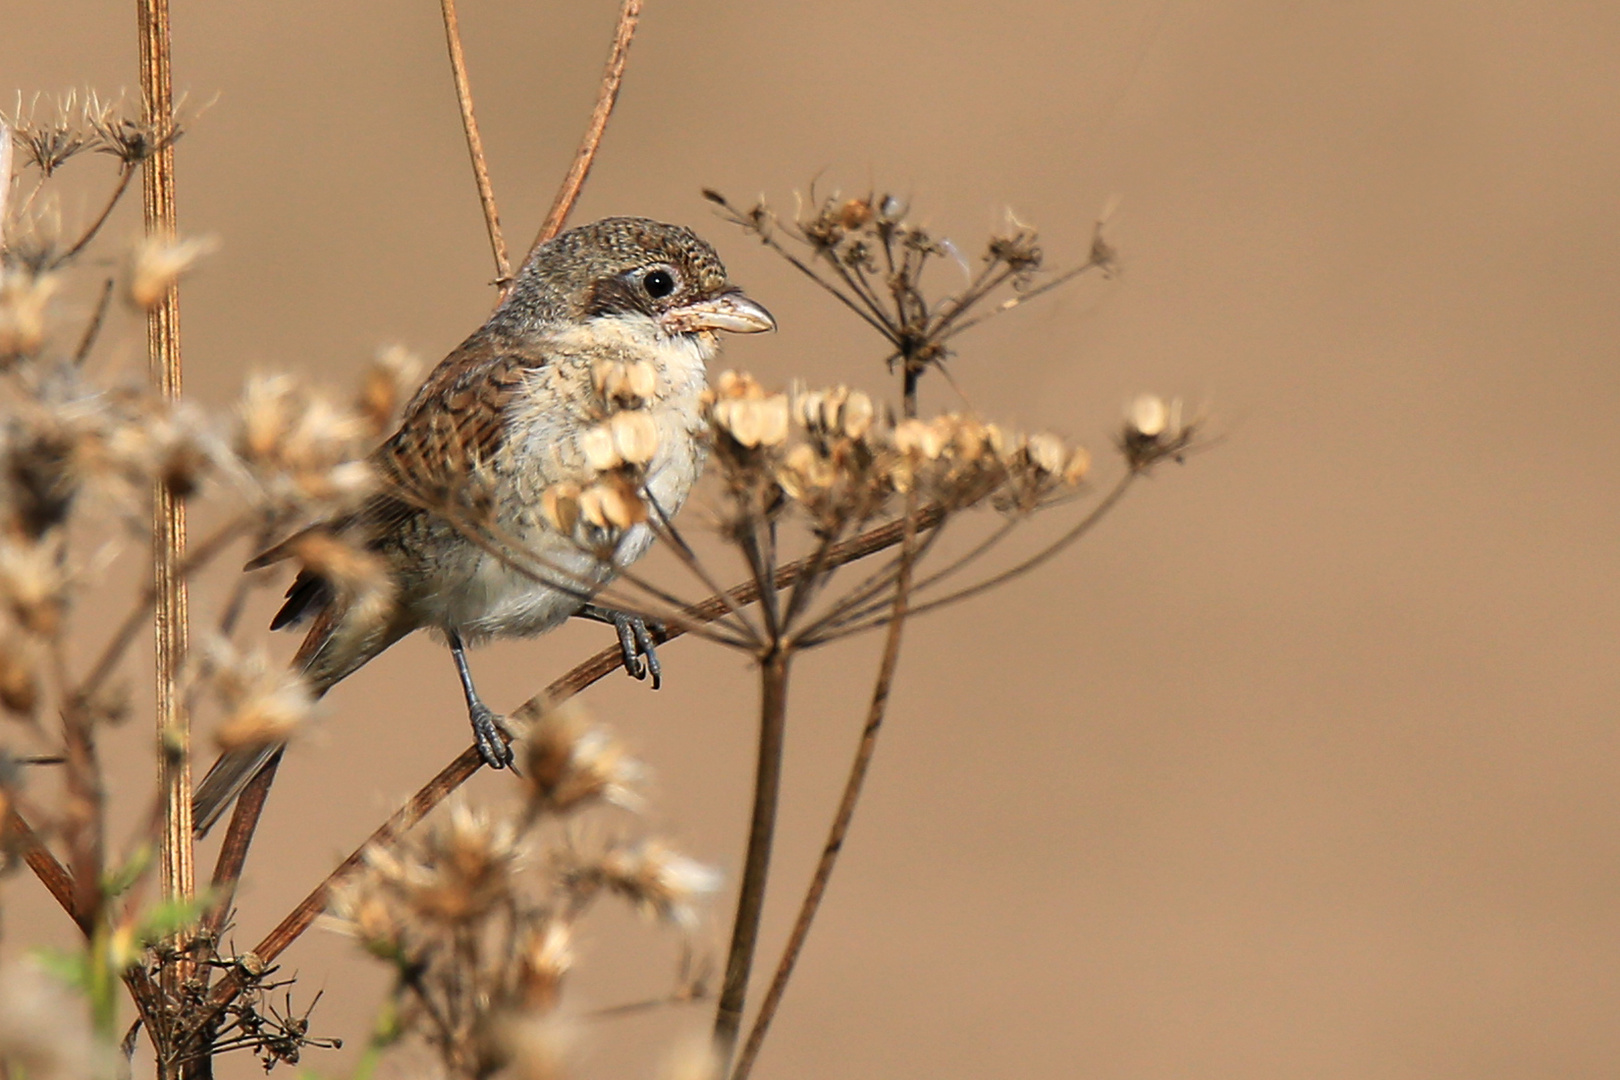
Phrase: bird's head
[625,267]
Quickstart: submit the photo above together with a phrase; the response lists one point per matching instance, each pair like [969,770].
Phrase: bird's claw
[487,733]
[637,646]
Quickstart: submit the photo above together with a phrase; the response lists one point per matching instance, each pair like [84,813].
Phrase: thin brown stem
[475,144]
[51,873]
[126,173]
[773,674]
[92,330]
[606,97]
[876,711]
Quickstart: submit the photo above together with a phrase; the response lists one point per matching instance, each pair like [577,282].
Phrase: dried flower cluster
[477,913]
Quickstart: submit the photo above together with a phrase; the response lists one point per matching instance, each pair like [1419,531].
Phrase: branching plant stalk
[842,819]
[773,680]
[458,771]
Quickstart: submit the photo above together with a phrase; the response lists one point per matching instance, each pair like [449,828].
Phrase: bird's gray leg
[635,640]
[485,724]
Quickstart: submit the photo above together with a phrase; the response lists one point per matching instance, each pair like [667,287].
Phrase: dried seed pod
[635,436]
[597,445]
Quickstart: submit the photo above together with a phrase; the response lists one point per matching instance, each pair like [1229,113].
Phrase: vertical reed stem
[169,517]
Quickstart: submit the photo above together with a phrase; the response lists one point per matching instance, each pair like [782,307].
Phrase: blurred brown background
[1303,765]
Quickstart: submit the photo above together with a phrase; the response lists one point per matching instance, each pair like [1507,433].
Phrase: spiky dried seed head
[158,262]
[659,881]
[24,296]
[573,763]
[635,436]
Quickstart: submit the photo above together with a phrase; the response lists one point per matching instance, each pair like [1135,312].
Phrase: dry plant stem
[453,775]
[841,819]
[475,144]
[773,683]
[169,519]
[52,874]
[606,97]
[93,329]
[126,173]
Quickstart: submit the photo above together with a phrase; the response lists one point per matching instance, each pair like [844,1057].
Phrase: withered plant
[474,913]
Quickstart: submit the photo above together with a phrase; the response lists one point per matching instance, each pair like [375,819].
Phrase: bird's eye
[658,283]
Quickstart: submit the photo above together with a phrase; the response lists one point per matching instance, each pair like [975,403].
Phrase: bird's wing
[457,420]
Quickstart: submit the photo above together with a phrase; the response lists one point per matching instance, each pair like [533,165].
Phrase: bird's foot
[487,733]
[636,645]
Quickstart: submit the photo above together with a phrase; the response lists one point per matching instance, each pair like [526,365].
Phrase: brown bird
[509,409]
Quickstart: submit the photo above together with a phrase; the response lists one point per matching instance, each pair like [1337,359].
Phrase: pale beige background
[1306,764]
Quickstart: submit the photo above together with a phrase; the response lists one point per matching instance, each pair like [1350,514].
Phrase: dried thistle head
[660,882]
[263,703]
[453,872]
[386,385]
[34,579]
[157,262]
[1155,430]
[301,449]
[24,297]
[124,131]
[49,136]
[571,763]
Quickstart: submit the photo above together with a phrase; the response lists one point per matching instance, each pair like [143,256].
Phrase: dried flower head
[1154,430]
[124,131]
[49,137]
[545,953]
[33,583]
[263,703]
[158,262]
[24,296]
[573,763]
[385,385]
[19,675]
[454,871]
[660,882]
[625,385]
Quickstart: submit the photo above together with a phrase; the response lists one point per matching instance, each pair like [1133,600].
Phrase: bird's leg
[635,640]
[485,724]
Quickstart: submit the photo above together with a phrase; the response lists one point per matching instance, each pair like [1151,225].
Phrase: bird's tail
[334,649]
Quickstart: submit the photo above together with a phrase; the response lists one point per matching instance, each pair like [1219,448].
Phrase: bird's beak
[729,311]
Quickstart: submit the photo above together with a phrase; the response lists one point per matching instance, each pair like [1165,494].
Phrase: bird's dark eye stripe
[658,283]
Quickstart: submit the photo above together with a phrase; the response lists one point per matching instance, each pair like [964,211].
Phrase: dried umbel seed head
[33,582]
[622,385]
[270,711]
[612,504]
[753,423]
[544,955]
[157,262]
[19,676]
[455,872]
[573,763]
[385,385]
[1154,430]
[836,413]
[560,505]
[660,882]
[23,299]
